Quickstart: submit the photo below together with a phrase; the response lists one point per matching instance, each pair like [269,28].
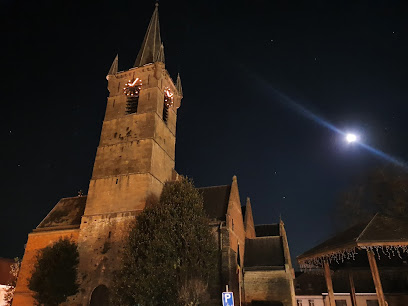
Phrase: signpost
[227,299]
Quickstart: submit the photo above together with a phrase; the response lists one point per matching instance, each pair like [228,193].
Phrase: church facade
[135,157]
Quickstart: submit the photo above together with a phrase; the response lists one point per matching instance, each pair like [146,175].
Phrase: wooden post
[329,283]
[353,289]
[376,278]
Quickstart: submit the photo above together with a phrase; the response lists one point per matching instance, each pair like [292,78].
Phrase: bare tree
[194,292]
[383,190]
[14,270]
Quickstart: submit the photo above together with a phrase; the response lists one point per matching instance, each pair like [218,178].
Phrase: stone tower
[135,157]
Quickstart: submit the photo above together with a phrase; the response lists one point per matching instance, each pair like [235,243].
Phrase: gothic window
[132,91]
[168,102]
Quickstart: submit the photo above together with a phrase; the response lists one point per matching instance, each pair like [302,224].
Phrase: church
[135,157]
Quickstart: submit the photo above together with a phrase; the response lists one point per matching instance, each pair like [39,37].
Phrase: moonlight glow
[351,138]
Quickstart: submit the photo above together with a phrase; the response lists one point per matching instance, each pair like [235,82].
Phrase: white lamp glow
[351,138]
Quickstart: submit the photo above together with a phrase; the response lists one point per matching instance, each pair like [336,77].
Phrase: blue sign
[227,299]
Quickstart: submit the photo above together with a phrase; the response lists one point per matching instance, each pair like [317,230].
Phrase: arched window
[100,296]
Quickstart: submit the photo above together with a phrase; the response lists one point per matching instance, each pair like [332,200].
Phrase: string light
[347,254]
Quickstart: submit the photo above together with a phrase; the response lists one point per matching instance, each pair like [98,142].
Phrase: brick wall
[36,241]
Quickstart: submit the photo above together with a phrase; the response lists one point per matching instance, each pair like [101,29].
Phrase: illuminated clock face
[168,97]
[132,88]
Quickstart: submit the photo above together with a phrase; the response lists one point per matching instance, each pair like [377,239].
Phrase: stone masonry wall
[100,247]
[268,286]
[121,194]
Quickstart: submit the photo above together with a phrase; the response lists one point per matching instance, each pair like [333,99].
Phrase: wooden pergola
[383,237]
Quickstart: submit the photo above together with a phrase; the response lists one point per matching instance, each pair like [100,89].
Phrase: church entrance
[100,296]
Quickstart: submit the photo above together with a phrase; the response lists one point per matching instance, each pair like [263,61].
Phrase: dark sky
[344,61]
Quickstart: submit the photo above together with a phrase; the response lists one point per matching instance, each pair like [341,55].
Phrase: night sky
[346,62]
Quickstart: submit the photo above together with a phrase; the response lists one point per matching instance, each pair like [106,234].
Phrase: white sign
[227,299]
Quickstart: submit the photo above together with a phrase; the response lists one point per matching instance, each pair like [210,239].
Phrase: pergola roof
[384,233]
[380,231]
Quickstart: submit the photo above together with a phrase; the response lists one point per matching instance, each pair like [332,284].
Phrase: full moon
[351,138]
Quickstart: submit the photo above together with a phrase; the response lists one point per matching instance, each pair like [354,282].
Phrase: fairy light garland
[347,254]
[388,250]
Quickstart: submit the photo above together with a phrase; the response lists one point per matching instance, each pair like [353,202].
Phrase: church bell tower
[136,152]
[135,156]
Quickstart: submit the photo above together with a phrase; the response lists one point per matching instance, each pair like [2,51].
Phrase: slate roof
[380,230]
[67,213]
[385,229]
[216,201]
[264,230]
[265,253]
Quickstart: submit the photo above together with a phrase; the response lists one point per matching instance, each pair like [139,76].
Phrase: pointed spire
[114,68]
[160,55]
[152,49]
[178,85]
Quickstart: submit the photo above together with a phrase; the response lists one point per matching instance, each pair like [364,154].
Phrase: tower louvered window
[132,91]
[165,112]
[131,104]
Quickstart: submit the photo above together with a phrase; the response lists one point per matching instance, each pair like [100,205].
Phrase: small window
[117,180]
[311,303]
[232,224]
[372,303]
[299,303]
[341,303]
